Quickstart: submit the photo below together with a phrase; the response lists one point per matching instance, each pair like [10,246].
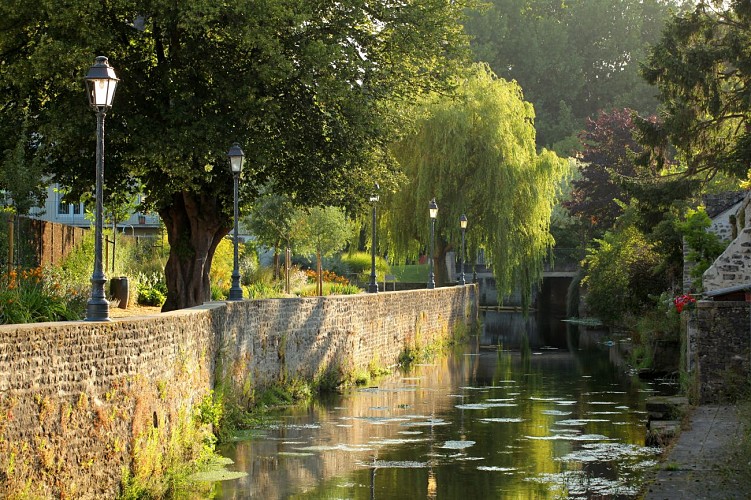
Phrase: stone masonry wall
[721,348]
[82,402]
[733,266]
[265,341]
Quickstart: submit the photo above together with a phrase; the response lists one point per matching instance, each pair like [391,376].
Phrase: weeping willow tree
[474,152]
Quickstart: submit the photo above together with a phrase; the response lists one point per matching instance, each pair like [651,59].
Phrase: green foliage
[412,273]
[209,409]
[700,69]
[151,289]
[658,322]
[342,289]
[309,290]
[321,231]
[33,296]
[620,274]
[705,245]
[474,151]
[271,218]
[359,263]
[572,58]
[323,93]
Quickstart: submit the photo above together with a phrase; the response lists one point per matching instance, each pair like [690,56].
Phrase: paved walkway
[704,462]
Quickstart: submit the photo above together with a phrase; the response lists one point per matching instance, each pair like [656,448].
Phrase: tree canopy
[702,70]
[474,151]
[305,88]
[572,58]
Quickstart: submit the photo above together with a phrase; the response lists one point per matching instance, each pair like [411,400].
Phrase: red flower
[684,301]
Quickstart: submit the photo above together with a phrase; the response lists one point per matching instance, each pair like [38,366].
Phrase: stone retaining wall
[720,348]
[80,403]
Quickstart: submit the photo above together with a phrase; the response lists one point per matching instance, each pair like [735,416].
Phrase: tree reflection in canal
[520,412]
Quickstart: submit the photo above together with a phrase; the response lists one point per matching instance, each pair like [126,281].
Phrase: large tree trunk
[195,227]
[439,262]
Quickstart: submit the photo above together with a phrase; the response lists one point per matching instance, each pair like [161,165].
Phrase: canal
[530,408]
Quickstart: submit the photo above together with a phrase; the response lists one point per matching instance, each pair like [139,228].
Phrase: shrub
[33,296]
[620,275]
[152,290]
[359,263]
[705,246]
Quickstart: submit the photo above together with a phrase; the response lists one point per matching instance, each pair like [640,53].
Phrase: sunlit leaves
[475,153]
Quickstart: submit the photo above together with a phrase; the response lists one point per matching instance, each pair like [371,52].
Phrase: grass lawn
[417,273]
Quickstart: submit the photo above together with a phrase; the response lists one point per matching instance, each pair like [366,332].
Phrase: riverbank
[710,458]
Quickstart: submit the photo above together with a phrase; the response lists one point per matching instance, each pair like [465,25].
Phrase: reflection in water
[521,412]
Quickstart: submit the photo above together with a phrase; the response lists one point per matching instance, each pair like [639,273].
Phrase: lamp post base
[236,291]
[98,310]
[372,287]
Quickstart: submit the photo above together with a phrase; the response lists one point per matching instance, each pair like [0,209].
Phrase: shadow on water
[522,411]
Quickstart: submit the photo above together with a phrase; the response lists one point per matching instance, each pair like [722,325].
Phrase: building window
[63,208]
[77,209]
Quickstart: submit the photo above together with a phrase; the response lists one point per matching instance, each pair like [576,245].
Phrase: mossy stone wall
[721,347]
[84,404]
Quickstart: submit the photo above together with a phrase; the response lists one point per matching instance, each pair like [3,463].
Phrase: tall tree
[271,221]
[321,231]
[609,153]
[573,58]
[301,85]
[475,153]
[702,70]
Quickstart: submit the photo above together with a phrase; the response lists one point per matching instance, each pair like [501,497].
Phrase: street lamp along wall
[101,84]
[236,159]
[433,212]
[373,285]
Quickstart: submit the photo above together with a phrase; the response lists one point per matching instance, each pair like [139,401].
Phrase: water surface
[526,410]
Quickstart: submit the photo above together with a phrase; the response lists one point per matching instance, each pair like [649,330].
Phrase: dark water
[529,409]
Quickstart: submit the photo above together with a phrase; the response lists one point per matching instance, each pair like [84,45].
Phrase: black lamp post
[236,158]
[373,285]
[463,225]
[433,211]
[101,84]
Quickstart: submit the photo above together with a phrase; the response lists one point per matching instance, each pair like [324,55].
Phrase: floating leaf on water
[384,464]
[429,423]
[496,469]
[580,421]
[484,406]
[337,447]
[605,452]
[390,441]
[457,445]
[579,484]
[248,435]
[382,420]
[501,420]
[571,437]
